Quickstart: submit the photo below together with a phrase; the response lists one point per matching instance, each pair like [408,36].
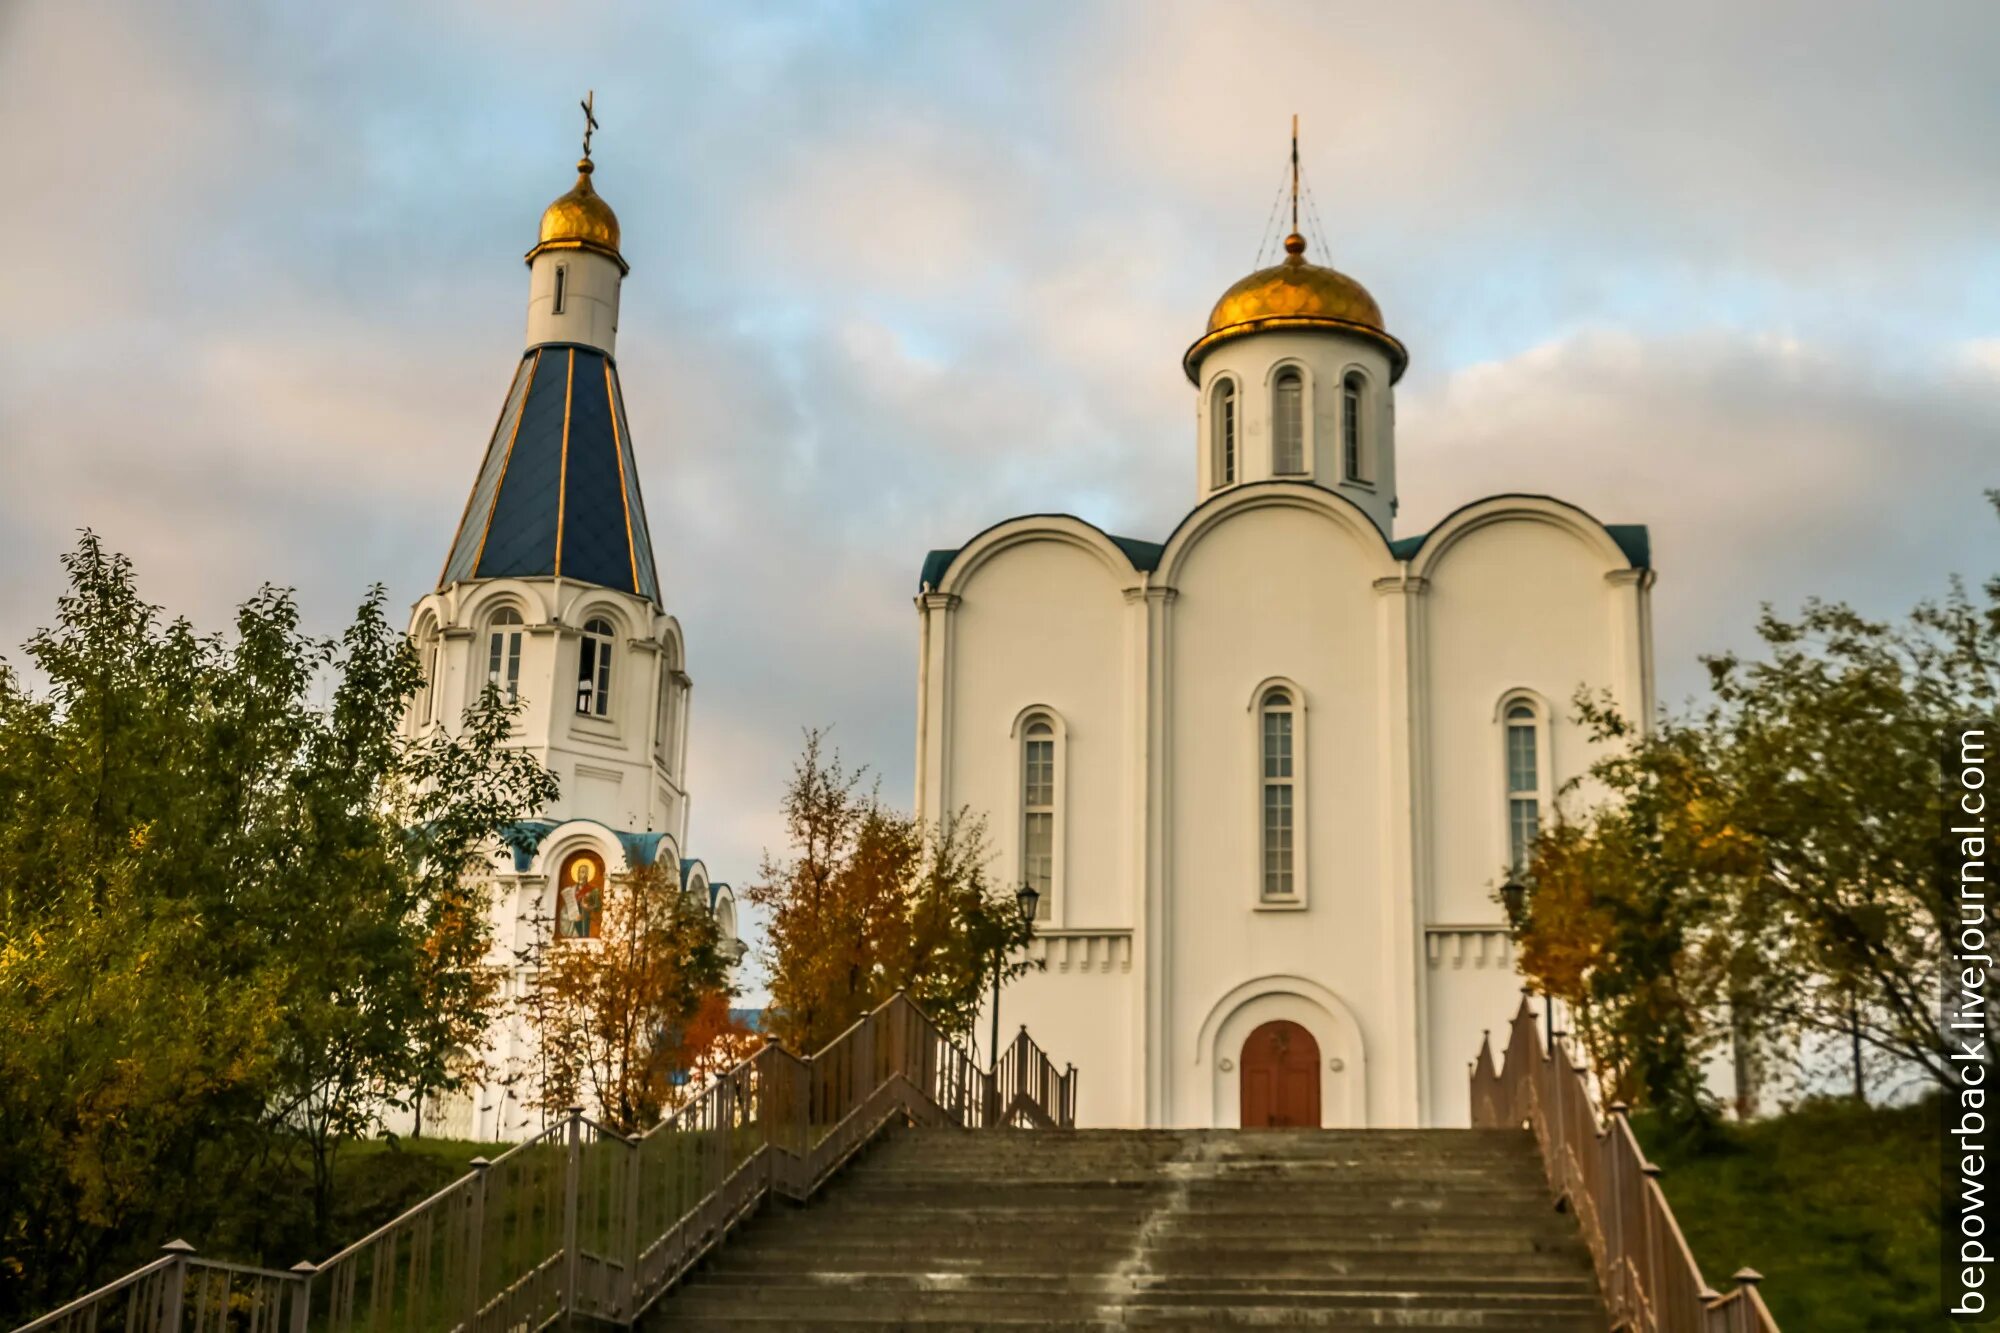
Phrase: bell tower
[549,589]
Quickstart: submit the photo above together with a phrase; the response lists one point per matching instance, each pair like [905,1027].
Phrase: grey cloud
[902,271]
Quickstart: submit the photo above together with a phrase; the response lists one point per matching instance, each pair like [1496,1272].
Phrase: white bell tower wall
[573,298]
[1250,370]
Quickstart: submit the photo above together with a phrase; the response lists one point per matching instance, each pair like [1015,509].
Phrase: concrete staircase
[1196,1229]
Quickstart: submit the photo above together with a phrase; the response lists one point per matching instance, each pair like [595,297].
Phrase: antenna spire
[1295,173]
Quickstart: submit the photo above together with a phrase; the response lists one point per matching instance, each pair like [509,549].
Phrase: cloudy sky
[899,271]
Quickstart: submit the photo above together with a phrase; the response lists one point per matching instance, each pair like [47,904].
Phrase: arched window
[1223,420]
[1524,784]
[666,724]
[503,653]
[1038,812]
[1288,423]
[593,669]
[562,287]
[430,702]
[1280,779]
[1352,395]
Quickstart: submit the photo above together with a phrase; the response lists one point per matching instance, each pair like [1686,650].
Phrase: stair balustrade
[581,1224]
[1600,1173]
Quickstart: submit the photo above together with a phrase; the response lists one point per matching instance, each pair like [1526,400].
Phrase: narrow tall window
[433,691]
[1288,424]
[1225,434]
[562,287]
[1524,785]
[593,669]
[503,653]
[1280,785]
[1350,427]
[1038,812]
[663,730]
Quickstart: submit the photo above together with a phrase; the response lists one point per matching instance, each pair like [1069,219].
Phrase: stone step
[1180,1229]
[1193,1319]
[806,1301]
[1177,1285]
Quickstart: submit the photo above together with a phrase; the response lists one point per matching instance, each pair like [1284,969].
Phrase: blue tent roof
[558,492]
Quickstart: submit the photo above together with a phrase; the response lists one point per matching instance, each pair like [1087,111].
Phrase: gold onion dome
[1296,295]
[580,220]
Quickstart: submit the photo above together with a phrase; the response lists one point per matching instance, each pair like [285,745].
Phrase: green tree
[222,881]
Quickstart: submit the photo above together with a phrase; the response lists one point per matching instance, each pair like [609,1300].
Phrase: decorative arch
[1285,997]
[1342,512]
[724,911]
[603,608]
[1062,528]
[1461,523]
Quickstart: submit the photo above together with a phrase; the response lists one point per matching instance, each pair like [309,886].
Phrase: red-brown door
[1280,1077]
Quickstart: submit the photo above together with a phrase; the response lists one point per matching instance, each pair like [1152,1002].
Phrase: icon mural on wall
[580,897]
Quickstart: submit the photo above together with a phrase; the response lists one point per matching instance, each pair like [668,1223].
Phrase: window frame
[1225,424]
[1537,724]
[1259,707]
[1279,374]
[1049,912]
[560,303]
[1356,429]
[430,655]
[516,629]
[594,700]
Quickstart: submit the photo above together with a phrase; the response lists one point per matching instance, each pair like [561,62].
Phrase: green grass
[1835,1204]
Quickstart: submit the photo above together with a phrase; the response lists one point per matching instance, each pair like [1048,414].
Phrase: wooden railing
[583,1221]
[1599,1172]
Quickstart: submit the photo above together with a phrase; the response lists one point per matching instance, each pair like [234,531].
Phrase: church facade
[550,592]
[1267,771]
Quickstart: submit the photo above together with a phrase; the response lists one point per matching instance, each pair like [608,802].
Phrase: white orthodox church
[550,592]
[1267,772]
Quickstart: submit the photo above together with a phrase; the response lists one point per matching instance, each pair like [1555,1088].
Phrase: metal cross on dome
[589,118]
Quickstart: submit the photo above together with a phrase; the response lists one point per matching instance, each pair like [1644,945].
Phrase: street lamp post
[1027,899]
[1514,897]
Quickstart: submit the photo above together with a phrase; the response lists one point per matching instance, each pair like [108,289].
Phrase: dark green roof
[1143,555]
[1632,539]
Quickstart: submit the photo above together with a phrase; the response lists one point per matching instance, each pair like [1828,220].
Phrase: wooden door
[1280,1077]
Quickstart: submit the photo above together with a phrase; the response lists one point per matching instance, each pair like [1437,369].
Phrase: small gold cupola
[1294,294]
[581,220]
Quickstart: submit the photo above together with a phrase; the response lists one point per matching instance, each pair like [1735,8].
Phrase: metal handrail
[1600,1173]
[582,1220]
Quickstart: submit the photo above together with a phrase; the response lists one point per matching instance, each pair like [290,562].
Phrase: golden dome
[1296,295]
[580,220]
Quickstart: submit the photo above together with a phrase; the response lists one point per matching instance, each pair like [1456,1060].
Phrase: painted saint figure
[580,897]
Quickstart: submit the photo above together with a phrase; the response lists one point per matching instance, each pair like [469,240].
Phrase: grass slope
[1835,1204]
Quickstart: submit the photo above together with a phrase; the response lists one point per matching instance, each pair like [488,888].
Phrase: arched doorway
[1280,1077]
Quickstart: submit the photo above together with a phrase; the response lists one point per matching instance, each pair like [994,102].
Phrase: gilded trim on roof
[562,468]
[624,496]
[527,391]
